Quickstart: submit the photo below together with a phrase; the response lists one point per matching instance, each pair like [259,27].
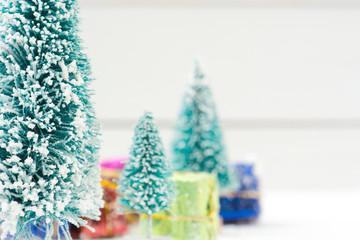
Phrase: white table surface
[302,215]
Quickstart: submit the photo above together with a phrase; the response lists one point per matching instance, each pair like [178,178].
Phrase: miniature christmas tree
[198,142]
[49,173]
[144,185]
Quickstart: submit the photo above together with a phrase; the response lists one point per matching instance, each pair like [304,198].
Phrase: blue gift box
[38,229]
[242,204]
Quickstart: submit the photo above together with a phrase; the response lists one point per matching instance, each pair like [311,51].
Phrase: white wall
[286,81]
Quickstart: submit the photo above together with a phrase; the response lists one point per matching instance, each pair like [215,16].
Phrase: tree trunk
[149,232]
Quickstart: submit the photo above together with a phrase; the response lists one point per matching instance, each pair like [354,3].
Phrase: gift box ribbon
[108,184]
[242,194]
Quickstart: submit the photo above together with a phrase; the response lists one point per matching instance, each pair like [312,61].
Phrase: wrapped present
[111,168]
[114,163]
[111,223]
[242,204]
[194,213]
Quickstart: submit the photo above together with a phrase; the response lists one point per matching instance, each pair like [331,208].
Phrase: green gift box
[194,215]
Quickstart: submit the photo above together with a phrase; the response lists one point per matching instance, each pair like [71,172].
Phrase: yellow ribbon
[108,184]
[182,218]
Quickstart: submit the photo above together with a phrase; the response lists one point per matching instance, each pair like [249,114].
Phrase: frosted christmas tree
[144,185]
[49,172]
[198,142]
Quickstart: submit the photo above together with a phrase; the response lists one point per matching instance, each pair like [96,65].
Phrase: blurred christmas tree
[144,184]
[49,135]
[198,142]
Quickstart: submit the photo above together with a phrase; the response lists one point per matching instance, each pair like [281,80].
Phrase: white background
[286,78]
